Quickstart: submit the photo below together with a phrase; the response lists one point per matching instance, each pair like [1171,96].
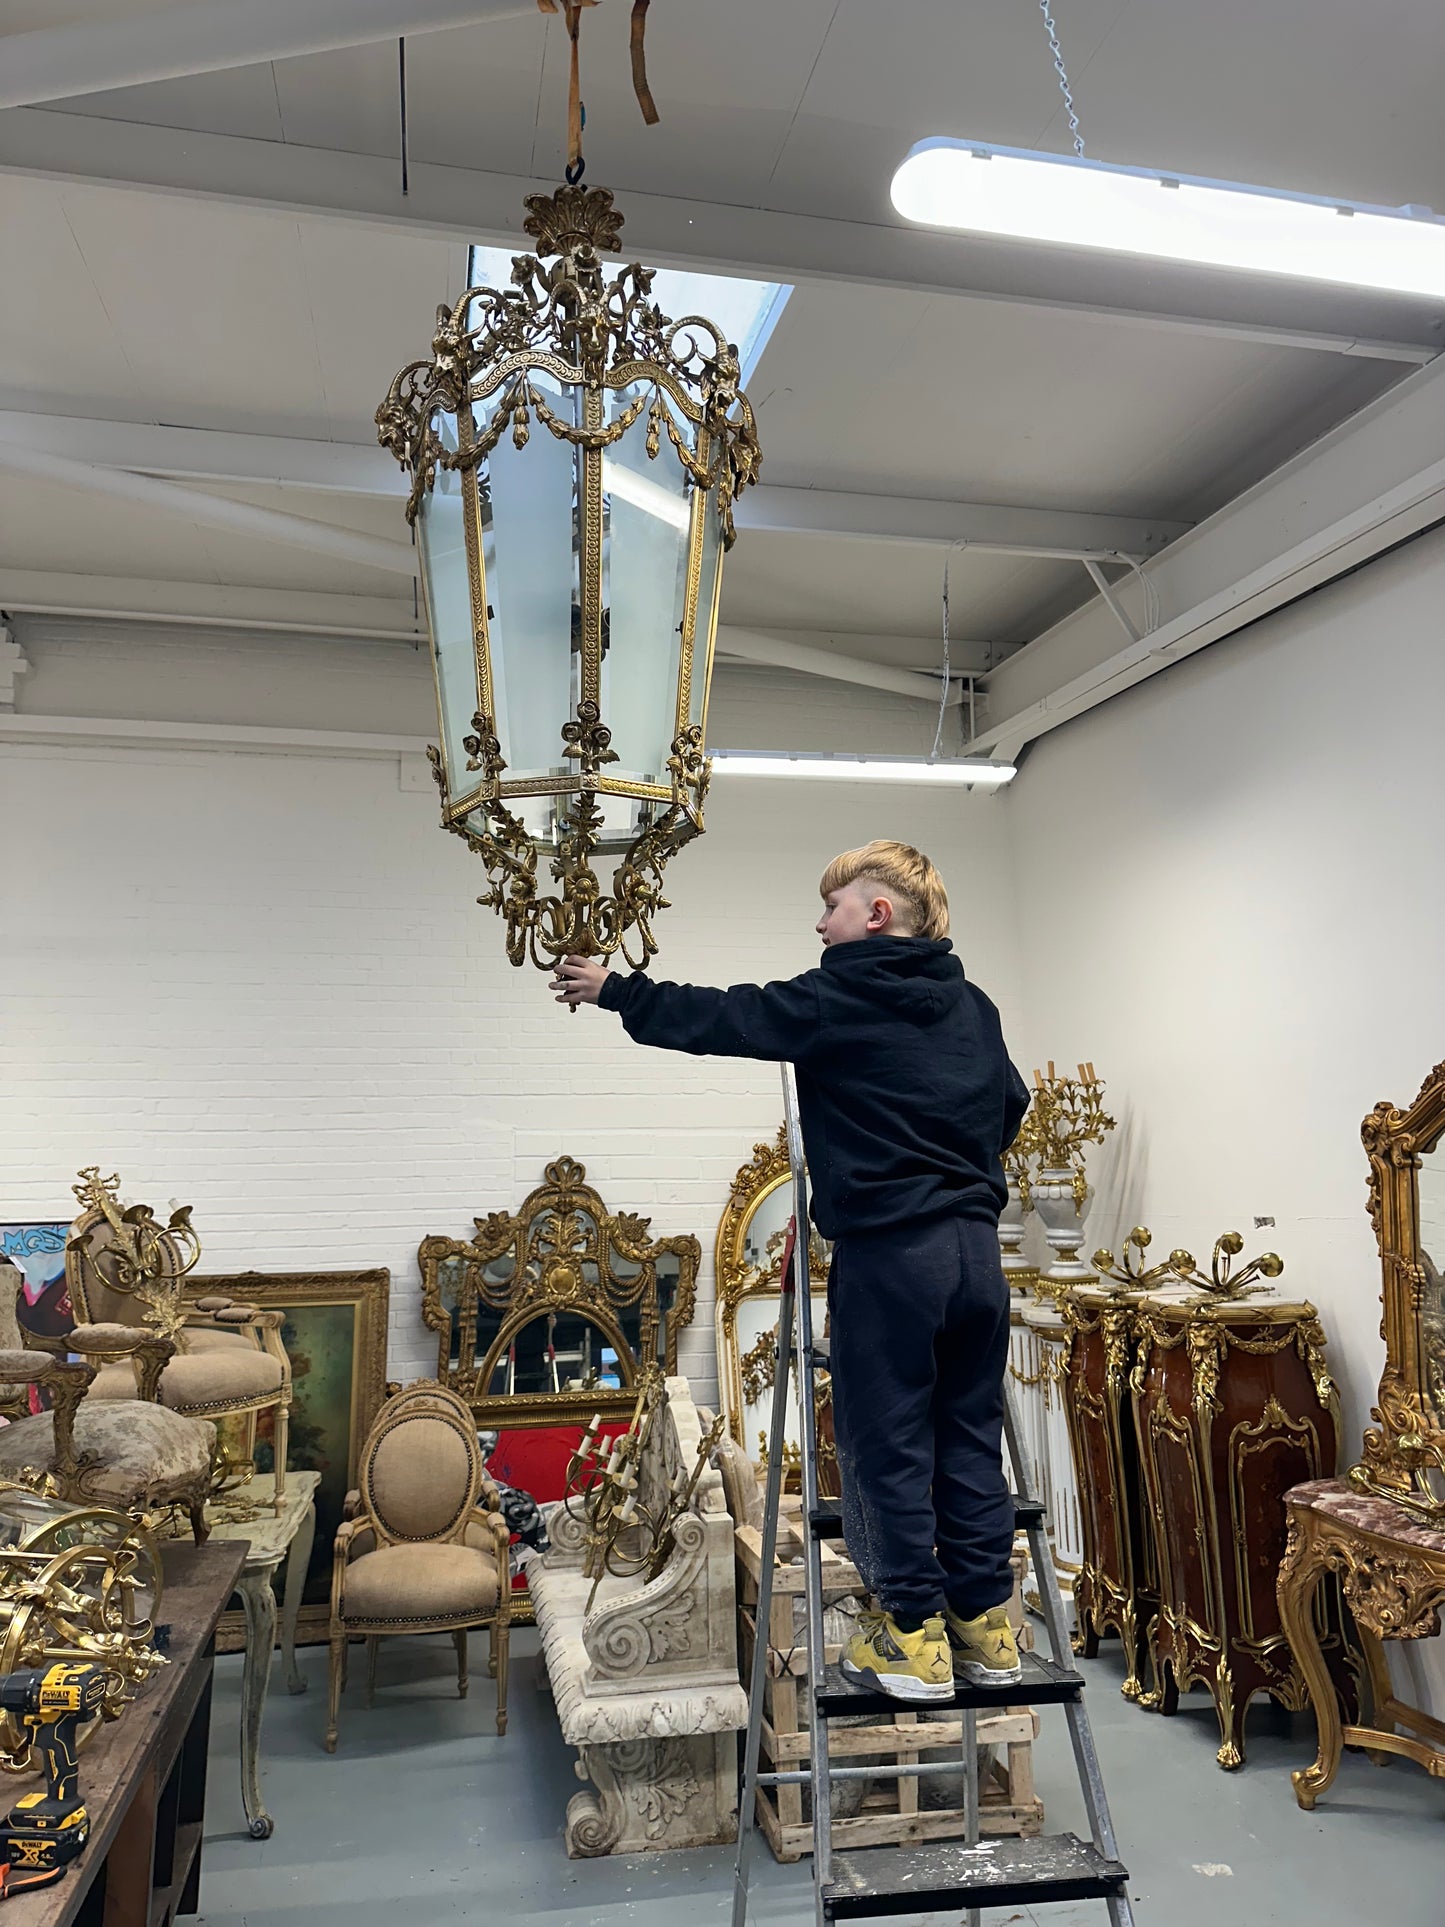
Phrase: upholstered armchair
[225,1360]
[425,1550]
[137,1458]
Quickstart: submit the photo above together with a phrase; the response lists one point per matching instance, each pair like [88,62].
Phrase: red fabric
[534,1458]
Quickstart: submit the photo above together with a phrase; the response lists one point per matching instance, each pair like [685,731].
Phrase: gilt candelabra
[628,1529]
[1066,1114]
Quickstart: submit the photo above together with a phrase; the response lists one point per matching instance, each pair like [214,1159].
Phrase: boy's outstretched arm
[777,1022]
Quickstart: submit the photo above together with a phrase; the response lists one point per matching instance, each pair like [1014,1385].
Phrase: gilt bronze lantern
[574,459]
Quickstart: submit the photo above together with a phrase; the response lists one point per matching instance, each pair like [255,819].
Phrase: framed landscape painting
[335,1337]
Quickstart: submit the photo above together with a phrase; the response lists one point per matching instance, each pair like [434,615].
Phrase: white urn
[1060,1213]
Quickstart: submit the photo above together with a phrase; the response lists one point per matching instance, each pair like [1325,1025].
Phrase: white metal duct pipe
[203,36]
[751,645]
[215,511]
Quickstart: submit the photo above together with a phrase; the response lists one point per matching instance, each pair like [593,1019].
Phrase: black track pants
[919,1320]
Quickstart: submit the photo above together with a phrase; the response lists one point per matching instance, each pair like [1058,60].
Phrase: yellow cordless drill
[44,1832]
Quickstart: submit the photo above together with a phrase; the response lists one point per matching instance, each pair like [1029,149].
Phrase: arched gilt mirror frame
[744,1278]
[1404,1459]
[562,1254]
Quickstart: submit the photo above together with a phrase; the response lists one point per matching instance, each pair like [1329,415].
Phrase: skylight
[746,311]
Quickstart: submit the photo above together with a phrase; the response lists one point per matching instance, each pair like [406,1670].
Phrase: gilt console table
[1392,1568]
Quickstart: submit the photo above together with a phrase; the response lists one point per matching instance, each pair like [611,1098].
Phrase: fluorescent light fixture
[1177,217]
[628,486]
[962,771]
[746,311]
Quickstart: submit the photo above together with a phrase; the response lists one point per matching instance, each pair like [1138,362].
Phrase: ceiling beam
[210,455]
[1372,482]
[355,468]
[209,605]
[776,652]
[45,595]
[1061,533]
[204,36]
[213,511]
[463,204]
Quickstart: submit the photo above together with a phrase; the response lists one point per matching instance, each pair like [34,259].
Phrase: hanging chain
[1062,73]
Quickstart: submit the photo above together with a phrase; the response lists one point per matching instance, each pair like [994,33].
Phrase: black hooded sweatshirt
[907,1096]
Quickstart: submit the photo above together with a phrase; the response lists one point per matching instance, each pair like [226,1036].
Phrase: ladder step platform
[827,1521]
[948,1875]
[1044,1683]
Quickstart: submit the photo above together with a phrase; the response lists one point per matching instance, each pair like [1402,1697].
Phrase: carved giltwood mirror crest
[1404,1454]
[557,1306]
[750,1242]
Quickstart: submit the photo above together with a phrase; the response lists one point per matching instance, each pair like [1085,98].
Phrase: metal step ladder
[969,1875]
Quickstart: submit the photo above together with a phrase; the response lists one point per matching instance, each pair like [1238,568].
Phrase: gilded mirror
[553,1309]
[750,1243]
[1404,1459]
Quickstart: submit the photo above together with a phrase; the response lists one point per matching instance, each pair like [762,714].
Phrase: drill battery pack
[38,1840]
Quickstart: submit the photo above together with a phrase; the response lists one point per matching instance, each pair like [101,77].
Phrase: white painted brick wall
[261,983]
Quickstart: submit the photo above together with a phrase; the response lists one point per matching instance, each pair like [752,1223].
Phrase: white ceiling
[127,304]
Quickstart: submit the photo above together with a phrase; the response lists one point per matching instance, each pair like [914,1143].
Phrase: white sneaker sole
[897,1686]
[978,1674]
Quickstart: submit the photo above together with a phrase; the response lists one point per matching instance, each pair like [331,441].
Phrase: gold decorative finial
[574,218]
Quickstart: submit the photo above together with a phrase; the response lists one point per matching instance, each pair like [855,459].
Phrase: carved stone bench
[646,1682]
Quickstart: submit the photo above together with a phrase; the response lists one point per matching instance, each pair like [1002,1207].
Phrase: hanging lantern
[574,460]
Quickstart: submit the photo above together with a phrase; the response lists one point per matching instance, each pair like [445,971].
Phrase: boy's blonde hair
[904,873]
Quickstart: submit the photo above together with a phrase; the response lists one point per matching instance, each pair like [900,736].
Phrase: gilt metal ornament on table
[80,1583]
[577,731]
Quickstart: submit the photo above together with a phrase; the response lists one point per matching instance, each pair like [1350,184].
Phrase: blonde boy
[908,1101]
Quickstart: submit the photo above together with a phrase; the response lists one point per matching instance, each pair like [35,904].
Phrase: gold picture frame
[748,1273]
[336,1335]
[1404,1453]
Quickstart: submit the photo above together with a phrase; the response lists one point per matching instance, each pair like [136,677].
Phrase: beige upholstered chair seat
[407,1583]
[221,1376]
[145,1455]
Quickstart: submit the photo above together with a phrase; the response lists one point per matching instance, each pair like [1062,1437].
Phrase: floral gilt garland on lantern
[610,334]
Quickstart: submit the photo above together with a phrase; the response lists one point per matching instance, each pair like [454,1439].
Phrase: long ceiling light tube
[1061,199]
[961,772]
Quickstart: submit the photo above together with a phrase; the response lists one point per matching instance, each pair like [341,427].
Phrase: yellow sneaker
[905,1666]
[984,1649]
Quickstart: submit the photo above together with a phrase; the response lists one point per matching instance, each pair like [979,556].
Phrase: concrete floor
[424,1815]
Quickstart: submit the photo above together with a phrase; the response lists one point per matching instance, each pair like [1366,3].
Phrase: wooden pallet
[891,1812]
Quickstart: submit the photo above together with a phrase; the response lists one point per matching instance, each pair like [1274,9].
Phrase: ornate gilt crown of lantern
[574,459]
